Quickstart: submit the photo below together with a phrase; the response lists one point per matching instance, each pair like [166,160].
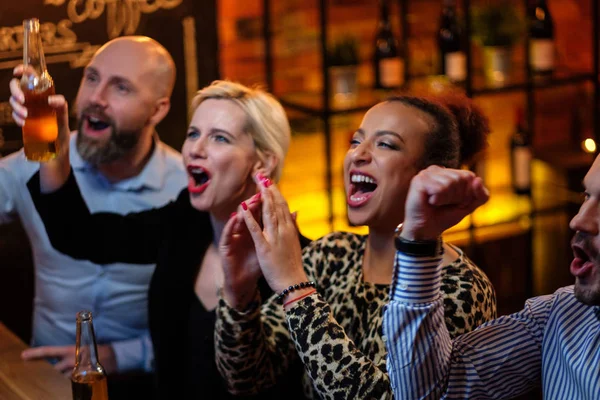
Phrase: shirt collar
[151,177]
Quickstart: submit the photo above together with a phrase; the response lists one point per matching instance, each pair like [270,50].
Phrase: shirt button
[384,338]
[403,286]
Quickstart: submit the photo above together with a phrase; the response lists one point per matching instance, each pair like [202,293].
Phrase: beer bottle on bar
[88,378]
[40,132]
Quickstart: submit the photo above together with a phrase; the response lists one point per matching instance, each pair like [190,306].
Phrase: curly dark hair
[459,132]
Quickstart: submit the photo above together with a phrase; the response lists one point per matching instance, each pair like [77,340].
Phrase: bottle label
[456,66]
[522,166]
[391,72]
[541,55]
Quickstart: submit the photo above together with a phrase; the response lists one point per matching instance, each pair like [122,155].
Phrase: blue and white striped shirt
[553,341]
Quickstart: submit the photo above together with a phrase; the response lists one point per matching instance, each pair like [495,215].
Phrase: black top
[175,237]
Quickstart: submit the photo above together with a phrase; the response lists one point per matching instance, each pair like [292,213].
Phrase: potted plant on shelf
[343,66]
[497,27]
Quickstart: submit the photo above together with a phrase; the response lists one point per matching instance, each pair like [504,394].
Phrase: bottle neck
[86,352]
[33,52]
[384,13]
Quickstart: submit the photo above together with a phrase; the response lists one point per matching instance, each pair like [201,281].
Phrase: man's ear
[161,109]
[267,164]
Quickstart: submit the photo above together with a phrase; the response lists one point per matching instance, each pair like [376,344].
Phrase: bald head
[144,56]
[124,93]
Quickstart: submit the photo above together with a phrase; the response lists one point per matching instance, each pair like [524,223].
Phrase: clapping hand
[276,242]
[241,271]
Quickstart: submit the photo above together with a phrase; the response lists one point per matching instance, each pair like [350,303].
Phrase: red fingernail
[260,176]
[267,182]
[233,214]
[244,206]
[255,198]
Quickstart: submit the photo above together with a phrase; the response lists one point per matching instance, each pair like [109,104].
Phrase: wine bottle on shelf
[541,38]
[388,58]
[450,42]
[520,156]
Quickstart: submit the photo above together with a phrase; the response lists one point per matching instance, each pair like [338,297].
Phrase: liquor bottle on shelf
[520,156]
[450,41]
[88,379]
[541,38]
[388,58]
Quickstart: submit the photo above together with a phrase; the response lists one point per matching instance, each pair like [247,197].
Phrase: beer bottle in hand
[40,132]
[88,379]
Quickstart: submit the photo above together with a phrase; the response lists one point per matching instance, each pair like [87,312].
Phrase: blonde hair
[267,122]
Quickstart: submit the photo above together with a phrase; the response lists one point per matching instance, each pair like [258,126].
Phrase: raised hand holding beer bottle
[42,115]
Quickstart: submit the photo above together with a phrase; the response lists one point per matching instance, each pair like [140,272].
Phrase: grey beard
[119,144]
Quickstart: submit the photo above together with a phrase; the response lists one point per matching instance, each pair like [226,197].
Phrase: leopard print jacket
[337,333]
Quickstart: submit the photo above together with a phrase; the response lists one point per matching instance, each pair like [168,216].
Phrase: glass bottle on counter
[520,156]
[88,379]
[450,42]
[541,38]
[388,58]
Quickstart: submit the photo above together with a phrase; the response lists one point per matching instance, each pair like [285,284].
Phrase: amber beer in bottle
[88,379]
[40,132]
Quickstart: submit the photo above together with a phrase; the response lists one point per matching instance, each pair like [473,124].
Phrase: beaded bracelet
[292,288]
[287,303]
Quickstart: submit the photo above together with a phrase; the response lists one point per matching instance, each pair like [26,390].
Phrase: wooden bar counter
[27,380]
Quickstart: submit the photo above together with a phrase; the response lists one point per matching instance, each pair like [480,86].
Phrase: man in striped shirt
[554,341]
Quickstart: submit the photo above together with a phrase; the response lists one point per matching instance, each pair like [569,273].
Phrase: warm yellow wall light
[589,145]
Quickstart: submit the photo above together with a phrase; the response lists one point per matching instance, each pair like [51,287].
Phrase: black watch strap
[417,248]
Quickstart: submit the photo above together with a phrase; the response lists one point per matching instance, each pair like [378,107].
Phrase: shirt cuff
[416,279]
[134,354]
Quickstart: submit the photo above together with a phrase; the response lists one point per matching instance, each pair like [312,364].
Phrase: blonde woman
[235,132]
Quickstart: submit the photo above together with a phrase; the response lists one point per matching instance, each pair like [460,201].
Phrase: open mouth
[583,261]
[96,124]
[199,178]
[361,188]
[580,253]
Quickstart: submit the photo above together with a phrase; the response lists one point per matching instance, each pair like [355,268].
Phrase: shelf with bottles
[312,102]
[542,72]
[532,70]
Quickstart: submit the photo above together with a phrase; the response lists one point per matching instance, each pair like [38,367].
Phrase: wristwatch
[417,248]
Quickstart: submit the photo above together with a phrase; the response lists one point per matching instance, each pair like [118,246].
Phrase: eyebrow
[115,78]
[383,133]
[213,130]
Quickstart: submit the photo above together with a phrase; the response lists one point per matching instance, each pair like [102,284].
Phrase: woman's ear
[266,165]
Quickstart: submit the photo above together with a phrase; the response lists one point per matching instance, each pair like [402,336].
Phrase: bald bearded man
[121,166]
